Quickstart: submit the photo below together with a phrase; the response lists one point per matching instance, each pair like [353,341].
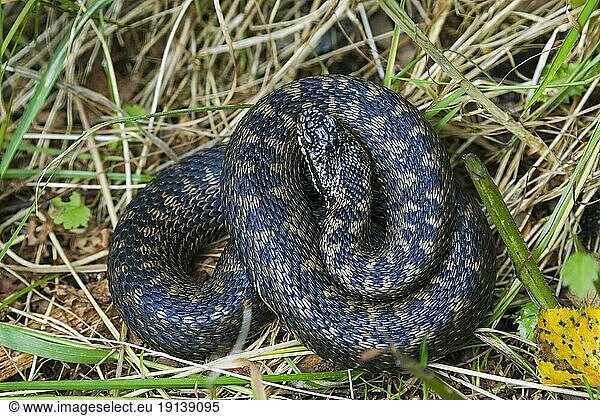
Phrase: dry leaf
[569,346]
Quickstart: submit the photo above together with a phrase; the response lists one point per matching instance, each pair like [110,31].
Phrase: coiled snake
[344,219]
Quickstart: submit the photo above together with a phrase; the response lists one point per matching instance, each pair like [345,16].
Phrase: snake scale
[344,220]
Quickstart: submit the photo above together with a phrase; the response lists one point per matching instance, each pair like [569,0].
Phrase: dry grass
[165,55]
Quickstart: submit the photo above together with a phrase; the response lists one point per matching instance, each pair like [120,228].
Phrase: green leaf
[564,76]
[133,110]
[527,321]
[71,214]
[47,345]
[568,342]
[579,273]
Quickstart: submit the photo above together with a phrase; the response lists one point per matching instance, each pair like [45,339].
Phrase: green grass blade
[446,119]
[116,176]
[46,83]
[50,168]
[46,345]
[395,11]
[444,104]
[27,289]
[14,235]
[19,21]
[563,52]
[427,376]
[389,70]
[403,74]
[504,302]
[559,216]
[74,174]
[150,383]
[56,152]
[579,76]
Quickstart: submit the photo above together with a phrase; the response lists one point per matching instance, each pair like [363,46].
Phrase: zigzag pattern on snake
[344,220]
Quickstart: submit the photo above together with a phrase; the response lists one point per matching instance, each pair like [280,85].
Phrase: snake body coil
[344,219]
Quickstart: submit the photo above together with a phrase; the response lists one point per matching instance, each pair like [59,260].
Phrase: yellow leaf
[569,346]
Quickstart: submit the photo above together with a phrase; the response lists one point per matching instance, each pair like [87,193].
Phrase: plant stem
[527,270]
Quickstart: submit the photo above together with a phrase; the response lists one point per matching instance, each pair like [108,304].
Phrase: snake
[345,222]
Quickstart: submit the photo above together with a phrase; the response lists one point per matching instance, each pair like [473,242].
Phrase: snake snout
[339,165]
[317,131]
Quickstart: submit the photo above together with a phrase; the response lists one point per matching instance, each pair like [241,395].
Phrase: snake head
[338,163]
[317,133]
[318,137]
